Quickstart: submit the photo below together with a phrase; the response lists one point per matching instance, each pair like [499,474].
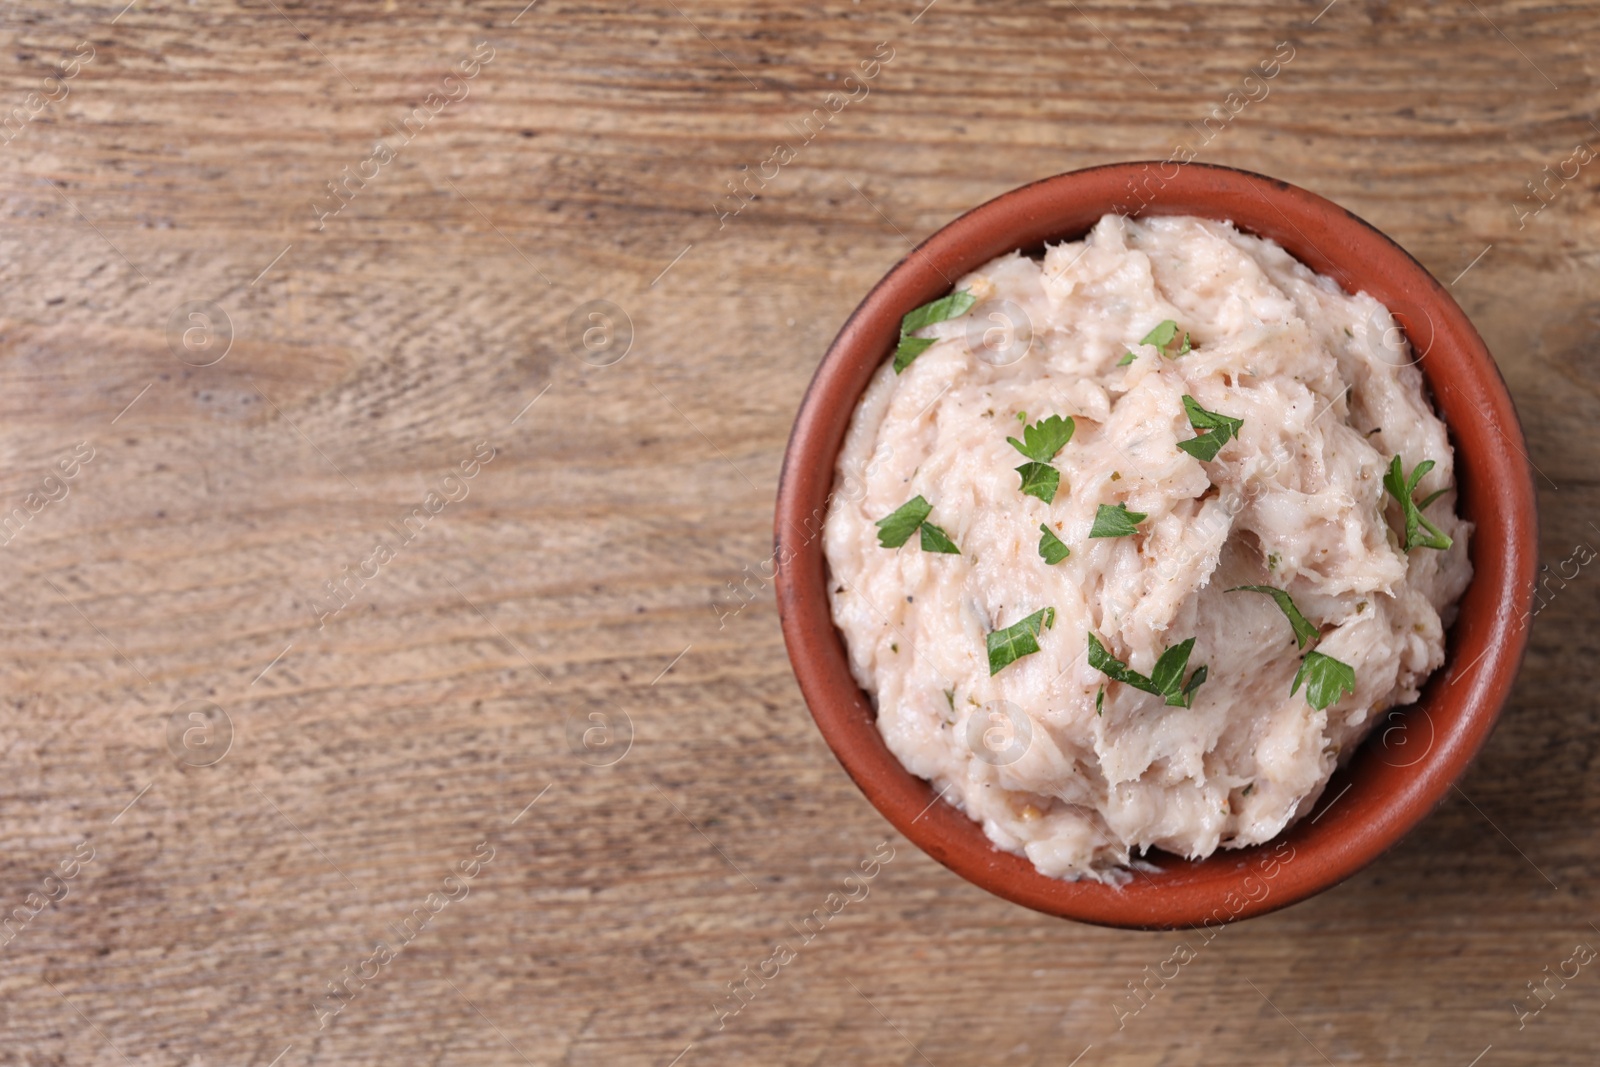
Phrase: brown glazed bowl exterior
[1410,760]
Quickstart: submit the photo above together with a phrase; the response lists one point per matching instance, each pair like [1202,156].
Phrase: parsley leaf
[936,540]
[1100,701]
[1114,668]
[1168,671]
[1401,488]
[1185,348]
[1166,679]
[1326,678]
[953,306]
[1216,431]
[1304,630]
[896,528]
[1116,521]
[1162,335]
[1201,419]
[1205,447]
[946,307]
[1041,441]
[1017,640]
[909,349]
[1040,480]
[1051,548]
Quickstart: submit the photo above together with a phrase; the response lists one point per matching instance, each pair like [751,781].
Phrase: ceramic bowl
[1412,757]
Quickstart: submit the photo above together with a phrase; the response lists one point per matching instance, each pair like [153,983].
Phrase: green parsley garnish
[896,528]
[1116,521]
[1100,701]
[936,540]
[1400,487]
[1326,678]
[1162,335]
[1018,640]
[1166,679]
[1051,548]
[946,307]
[1040,443]
[1303,628]
[1215,431]
[909,349]
[1040,480]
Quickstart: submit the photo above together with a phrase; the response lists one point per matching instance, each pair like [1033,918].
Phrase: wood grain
[607,560]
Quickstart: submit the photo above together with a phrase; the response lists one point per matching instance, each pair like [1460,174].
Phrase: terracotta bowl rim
[1384,791]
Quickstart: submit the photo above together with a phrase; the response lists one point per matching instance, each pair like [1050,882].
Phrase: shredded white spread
[1328,392]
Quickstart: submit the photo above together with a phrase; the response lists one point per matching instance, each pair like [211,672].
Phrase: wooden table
[563,674]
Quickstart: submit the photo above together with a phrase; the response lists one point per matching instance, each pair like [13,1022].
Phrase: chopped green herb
[1041,441]
[1100,701]
[1168,674]
[936,540]
[1040,480]
[1162,335]
[1303,628]
[1166,679]
[1185,348]
[950,698]
[1115,669]
[1205,447]
[1116,521]
[1017,640]
[909,349]
[1401,488]
[1215,431]
[953,306]
[1326,678]
[1273,560]
[896,528]
[1051,548]
[1201,419]
[947,307]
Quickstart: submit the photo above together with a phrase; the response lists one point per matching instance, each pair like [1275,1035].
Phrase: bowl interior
[1411,759]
